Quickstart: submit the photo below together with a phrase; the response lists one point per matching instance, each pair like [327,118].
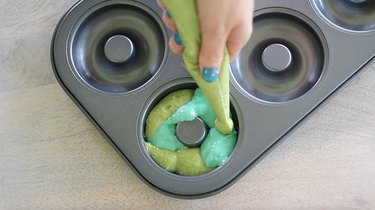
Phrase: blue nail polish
[177,39]
[168,13]
[210,74]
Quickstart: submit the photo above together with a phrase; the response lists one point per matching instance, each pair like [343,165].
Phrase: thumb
[211,54]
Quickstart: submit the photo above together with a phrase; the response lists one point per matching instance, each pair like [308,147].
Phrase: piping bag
[184,13]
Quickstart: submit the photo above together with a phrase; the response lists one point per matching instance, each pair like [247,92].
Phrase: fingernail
[210,74]
[177,39]
[168,13]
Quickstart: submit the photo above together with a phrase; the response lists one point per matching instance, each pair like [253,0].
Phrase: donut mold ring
[191,154]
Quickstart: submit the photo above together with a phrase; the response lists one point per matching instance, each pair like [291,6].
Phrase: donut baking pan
[112,58]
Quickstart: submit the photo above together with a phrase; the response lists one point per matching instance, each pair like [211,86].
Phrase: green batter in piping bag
[185,16]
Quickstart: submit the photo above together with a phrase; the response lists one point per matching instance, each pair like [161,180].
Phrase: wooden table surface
[52,157]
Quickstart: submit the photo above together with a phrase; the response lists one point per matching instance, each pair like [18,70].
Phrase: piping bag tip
[225,127]
[185,16]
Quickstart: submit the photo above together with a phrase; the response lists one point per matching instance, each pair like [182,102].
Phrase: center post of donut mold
[191,133]
[118,49]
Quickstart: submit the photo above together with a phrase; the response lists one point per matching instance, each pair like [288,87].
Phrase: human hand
[224,23]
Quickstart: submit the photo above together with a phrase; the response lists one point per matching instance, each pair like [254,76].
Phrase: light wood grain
[51,157]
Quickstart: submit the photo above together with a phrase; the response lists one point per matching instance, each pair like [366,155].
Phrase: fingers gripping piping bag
[184,14]
[163,145]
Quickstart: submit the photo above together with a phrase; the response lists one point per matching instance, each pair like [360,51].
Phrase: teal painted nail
[168,13]
[177,39]
[210,74]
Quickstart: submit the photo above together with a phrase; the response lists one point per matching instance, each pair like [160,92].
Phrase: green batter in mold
[165,148]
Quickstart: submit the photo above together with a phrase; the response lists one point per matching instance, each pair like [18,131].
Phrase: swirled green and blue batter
[171,154]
